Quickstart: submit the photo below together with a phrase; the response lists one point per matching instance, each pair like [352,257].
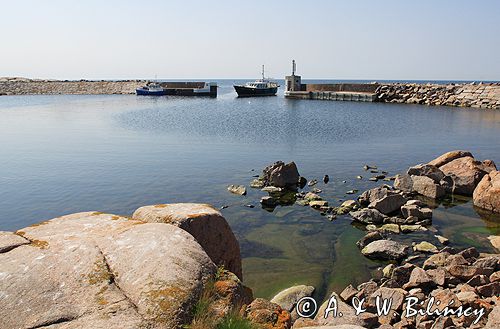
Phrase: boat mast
[263,78]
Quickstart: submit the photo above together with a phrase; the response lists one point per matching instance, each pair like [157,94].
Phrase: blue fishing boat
[153,89]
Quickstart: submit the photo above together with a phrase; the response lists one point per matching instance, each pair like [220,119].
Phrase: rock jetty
[478,95]
[23,86]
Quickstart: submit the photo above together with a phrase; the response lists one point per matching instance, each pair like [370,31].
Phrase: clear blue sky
[350,39]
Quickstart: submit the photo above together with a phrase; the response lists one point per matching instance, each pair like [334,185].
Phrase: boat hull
[255,92]
[145,92]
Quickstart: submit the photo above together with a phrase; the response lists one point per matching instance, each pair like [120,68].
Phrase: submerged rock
[425,246]
[369,238]
[442,239]
[268,201]
[288,298]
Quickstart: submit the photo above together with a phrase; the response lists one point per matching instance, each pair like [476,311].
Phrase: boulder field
[455,172]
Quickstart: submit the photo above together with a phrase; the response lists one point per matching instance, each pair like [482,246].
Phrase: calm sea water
[64,154]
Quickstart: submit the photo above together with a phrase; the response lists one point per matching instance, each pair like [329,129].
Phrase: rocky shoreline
[477,95]
[179,265]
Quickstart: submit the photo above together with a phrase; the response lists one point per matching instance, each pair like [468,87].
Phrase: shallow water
[64,154]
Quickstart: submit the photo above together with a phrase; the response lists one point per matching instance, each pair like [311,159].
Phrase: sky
[330,39]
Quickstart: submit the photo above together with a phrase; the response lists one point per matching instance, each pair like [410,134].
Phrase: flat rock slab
[94,270]
[205,224]
[10,240]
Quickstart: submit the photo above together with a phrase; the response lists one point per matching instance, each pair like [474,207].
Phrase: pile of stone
[391,210]
[23,86]
[455,172]
[482,95]
[466,279]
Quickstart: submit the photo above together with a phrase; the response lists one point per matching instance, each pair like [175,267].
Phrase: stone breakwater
[21,86]
[482,95]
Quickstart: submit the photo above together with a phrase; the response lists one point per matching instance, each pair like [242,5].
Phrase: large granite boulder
[385,250]
[283,175]
[466,173]
[205,224]
[448,157]
[487,193]
[94,270]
